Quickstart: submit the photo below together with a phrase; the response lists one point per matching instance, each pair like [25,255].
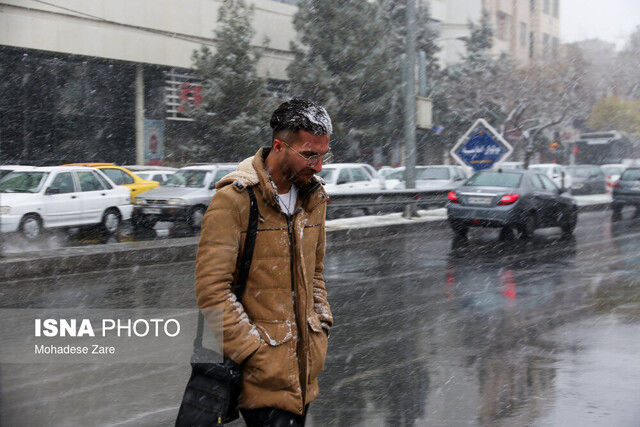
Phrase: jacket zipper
[293,297]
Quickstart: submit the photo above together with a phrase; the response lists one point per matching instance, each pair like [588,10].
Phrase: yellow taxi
[122,176]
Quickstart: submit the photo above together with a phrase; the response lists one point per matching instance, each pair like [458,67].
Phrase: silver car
[184,197]
[432,177]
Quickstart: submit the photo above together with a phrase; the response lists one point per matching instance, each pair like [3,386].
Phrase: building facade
[452,19]
[526,30]
[78,79]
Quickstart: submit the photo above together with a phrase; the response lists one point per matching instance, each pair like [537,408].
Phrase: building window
[502,24]
[523,34]
[531,45]
[556,8]
[545,46]
[532,5]
[545,8]
[554,48]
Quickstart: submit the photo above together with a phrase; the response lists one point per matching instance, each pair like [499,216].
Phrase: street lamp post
[410,107]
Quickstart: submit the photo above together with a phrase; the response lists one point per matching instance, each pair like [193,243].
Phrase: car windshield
[221,173]
[396,175]
[326,174]
[192,178]
[631,175]
[4,172]
[22,182]
[579,172]
[612,170]
[511,166]
[432,173]
[494,179]
[540,169]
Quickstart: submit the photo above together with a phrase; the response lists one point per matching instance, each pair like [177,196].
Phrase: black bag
[211,395]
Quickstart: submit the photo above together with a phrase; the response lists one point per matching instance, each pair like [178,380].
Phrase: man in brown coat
[278,333]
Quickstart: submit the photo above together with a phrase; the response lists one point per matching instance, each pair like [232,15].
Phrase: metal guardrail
[374,202]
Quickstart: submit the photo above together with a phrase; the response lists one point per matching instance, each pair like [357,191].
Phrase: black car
[626,191]
[522,200]
[585,179]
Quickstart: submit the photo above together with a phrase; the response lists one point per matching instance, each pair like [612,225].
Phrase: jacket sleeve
[320,302]
[216,262]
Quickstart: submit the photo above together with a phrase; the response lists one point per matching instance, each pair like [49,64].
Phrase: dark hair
[300,114]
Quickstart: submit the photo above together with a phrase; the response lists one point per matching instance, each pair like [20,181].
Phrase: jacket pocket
[317,348]
[274,365]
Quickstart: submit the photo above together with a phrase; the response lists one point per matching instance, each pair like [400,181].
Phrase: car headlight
[140,201]
[177,202]
[5,209]
[577,185]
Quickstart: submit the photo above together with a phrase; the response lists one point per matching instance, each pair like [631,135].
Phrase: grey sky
[611,20]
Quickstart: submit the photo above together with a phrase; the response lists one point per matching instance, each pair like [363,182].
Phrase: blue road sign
[481,147]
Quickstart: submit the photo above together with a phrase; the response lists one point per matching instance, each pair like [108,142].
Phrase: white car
[385,171]
[184,197]
[160,176]
[552,171]
[152,173]
[7,169]
[373,173]
[61,196]
[509,165]
[348,177]
[613,172]
[432,177]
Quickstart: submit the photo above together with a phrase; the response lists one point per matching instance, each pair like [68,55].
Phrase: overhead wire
[191,39]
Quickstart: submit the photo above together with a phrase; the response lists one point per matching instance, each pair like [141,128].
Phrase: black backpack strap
[245,264]
[249,245]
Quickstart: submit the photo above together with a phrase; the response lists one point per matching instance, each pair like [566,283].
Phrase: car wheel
[459,229]
[111,221]
[570,224]
[527,227]
[506,233]
[196,215]
[31,226]
[616,212]
[141,222]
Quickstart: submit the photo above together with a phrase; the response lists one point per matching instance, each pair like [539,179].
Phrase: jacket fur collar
[251,171]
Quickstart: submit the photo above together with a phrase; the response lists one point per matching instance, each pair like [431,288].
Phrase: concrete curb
[121,255]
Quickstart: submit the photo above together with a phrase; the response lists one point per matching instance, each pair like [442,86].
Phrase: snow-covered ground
[593,199]
[431,215]
[388,219]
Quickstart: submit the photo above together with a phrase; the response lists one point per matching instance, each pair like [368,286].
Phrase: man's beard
[300,178]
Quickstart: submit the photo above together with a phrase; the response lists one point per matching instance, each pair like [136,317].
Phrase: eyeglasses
[311,160]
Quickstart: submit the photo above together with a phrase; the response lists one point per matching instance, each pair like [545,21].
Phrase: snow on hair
[300,114]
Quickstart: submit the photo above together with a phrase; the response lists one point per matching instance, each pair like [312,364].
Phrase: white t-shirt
[288,200]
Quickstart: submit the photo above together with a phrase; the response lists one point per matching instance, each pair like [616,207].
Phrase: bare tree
[530,129]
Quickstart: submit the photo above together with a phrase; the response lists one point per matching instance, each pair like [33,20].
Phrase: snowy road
[428,332]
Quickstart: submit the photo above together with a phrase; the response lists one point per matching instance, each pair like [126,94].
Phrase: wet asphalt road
[429,331]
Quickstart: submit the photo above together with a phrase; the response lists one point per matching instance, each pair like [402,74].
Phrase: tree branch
[514,116]
[552,123]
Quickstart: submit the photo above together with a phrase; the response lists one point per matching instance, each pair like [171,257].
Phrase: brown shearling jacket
[284,307]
